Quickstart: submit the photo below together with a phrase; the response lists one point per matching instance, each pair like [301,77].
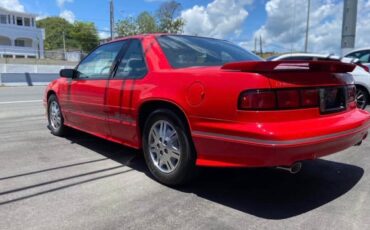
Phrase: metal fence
[9,54]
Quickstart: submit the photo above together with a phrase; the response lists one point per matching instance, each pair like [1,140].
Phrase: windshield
[188,51]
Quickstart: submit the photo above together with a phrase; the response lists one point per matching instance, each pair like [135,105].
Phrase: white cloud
[285,27]
[104,34]
[13,5]
[68,15]
[219,18]
[41,16]
[61,3]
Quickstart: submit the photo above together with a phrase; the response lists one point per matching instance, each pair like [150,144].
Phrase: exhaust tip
[296,168]
[293,169]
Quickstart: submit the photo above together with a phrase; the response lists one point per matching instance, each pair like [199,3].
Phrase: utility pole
[349,25]
[111,19]
[307,25]
[261,51]
[64,45]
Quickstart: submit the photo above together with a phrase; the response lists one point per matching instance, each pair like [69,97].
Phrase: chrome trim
[278,142]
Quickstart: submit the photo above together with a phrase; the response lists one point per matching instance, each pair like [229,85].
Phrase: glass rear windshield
[187,51]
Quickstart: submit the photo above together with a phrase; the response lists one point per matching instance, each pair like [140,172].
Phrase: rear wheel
[55,117]
[362,97]
[167,148]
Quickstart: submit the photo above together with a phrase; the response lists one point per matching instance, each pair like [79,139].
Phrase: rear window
[188,51]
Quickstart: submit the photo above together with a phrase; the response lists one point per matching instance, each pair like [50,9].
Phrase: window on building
[27,22]
[33,22]
[19,21]
[9,21]
[19,43]
[2,19]
[13,19]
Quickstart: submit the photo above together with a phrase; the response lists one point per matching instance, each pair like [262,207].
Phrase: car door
[87,92]
[129,73]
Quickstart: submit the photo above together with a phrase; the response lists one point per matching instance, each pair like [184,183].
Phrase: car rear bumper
[227,150]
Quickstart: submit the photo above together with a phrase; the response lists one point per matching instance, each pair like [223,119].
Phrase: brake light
[288,99]
[258,99]
[364,67]
[309,97]
[262,99]
[351,93]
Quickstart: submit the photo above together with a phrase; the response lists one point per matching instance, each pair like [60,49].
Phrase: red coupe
[191,101]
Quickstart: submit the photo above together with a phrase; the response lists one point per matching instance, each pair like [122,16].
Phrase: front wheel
[55,117]
[362,98]
[167,148]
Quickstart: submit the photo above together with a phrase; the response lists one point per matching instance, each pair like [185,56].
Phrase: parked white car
[362,54]
[360,73]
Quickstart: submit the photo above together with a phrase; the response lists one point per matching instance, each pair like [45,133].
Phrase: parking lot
[83,182]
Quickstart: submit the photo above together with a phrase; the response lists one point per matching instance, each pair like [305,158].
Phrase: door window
[98,64]
[363,56]
[133,63]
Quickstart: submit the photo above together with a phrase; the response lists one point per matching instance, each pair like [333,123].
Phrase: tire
[55,117]
[168,149]
[362,97]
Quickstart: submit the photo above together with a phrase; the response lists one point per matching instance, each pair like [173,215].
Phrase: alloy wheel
[361,99]
[164,146]
[55,115]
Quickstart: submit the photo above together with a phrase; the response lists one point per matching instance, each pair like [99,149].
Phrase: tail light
[258,99]
[309,97]
[288,98]
[364,67]
[279,99]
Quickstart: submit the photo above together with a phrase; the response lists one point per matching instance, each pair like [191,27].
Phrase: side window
[98,64]
[133,63]
[363,56]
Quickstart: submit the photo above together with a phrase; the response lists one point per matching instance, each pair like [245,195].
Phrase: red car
[191,101]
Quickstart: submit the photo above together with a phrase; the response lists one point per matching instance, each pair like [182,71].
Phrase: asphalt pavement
[83,182]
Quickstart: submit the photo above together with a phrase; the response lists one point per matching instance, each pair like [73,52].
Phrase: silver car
[362,54]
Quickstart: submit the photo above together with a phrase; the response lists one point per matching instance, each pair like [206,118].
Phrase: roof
[17,12]
[356,50]
[139,36]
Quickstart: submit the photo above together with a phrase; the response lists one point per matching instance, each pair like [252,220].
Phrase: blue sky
[97,11]
[280,23]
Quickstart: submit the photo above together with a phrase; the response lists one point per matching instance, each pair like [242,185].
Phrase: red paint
[208,96]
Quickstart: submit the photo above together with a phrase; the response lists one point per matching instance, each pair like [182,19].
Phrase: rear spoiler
[287,66]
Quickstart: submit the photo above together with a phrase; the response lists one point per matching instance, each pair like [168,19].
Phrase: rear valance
[274,66]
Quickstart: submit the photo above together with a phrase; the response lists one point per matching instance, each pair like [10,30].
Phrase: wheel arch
[363,87]
[50,92]
[147,107]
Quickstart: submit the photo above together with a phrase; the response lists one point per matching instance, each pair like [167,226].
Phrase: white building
[19,37]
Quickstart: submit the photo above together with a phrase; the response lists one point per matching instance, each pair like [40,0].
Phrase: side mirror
[68,73]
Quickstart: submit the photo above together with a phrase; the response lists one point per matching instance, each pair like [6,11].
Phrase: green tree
[127,27]
[165,20]
[146,23]
[80,35]
[168,16]
[84,36]
[54,28]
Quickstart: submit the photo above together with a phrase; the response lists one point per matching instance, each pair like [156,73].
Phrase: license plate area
[333,100]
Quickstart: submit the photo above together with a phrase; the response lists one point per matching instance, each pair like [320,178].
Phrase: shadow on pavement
[266,193]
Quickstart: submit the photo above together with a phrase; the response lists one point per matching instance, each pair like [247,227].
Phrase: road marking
[17,102]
